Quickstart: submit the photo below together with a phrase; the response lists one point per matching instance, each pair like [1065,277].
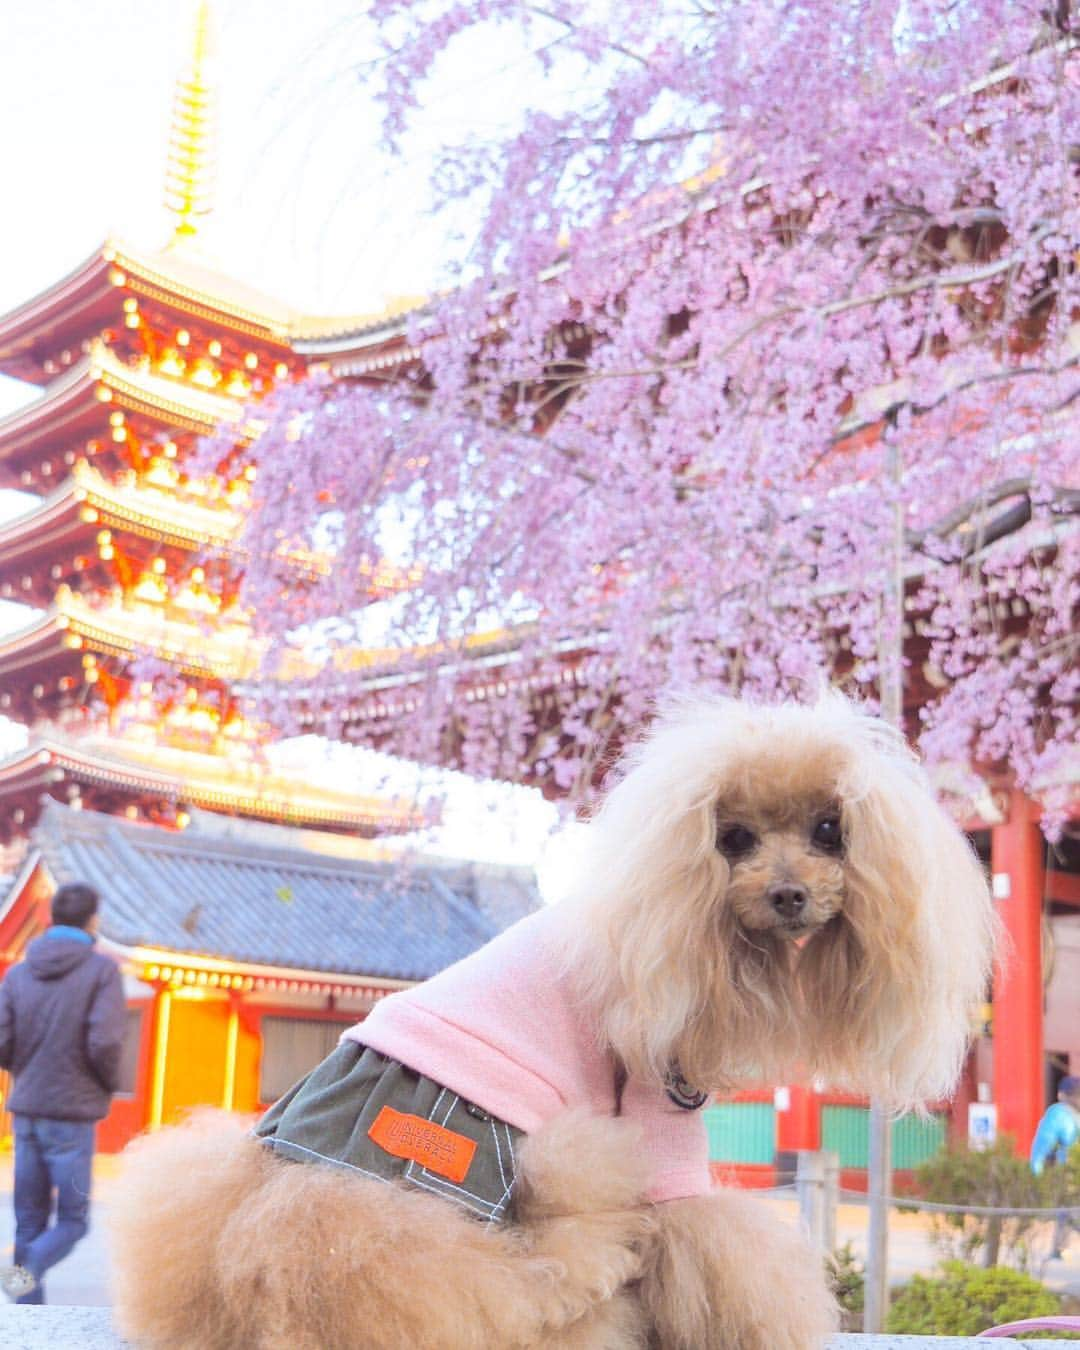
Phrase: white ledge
[59,1328]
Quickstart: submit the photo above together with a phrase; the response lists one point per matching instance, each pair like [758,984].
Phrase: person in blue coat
[62,1024]
[1057,1132]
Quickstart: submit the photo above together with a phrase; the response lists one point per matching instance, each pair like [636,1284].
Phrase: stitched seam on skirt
[274,1141]
[465,1196]
[498,1153]
[439,1185]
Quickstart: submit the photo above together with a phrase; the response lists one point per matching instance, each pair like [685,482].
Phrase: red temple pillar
[1019,1074]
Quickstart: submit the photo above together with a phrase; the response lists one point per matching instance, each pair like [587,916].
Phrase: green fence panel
[741,1132]
[915,1140]
[845,1130]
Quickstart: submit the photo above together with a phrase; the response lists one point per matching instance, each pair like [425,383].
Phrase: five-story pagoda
[139,355]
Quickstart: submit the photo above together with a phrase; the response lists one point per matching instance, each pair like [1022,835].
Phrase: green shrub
[847,1280]
[964,1300]
[994,1177]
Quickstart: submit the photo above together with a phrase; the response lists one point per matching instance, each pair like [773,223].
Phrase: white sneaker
[16,1281]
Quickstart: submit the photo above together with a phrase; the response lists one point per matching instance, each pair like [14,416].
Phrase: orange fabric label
[433,1146]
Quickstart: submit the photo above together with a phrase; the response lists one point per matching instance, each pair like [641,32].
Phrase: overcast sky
[308,208]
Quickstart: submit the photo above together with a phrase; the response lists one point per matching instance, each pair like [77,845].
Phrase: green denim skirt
[372,1116]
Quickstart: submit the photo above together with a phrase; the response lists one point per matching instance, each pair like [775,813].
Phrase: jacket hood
[50,958]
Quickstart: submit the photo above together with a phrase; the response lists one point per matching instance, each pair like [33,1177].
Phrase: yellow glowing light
[281,370]
[205,375]
[161,1043]
[89,660]
[232,1037]
[183,820]
[106,553]
[158,565]
[250,360]
[145,687]
[150,588]
[132,812]
[198,576]
[104,536]
[183,337]
[91,676]
[104,395]
[170,449]
[251,473]
[130,305]
[119,434]
[131,321]
[88,514]
[116,276]
[214,347]
[116,419]
[171,363]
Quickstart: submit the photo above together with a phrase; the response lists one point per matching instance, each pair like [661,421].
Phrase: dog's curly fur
[768,891]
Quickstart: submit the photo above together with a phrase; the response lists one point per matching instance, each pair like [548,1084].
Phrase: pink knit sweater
[500,1029]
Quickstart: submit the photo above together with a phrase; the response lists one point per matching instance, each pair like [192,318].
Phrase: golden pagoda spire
[190,167]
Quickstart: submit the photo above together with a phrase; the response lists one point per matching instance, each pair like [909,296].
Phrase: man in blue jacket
[1057,1132]
[62,1020]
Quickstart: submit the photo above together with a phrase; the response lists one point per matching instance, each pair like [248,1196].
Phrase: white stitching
[273,1141]
[464,1190]
[420,1181]
[503,1198]
[435,1182]
[434,1176]
[498,1153]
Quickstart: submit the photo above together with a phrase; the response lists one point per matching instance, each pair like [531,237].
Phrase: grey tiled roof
[253,901]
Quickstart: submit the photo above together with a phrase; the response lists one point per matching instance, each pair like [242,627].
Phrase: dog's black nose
[788,900]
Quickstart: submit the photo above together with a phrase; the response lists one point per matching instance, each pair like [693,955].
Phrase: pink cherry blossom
[649,436]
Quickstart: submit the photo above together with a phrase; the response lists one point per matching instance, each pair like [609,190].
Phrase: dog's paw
[724,1273]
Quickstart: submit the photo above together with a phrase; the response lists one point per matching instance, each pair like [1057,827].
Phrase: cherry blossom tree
[753,279]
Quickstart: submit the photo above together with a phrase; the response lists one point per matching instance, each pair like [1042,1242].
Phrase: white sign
[982,1124]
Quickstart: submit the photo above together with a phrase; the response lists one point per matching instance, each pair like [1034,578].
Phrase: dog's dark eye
[828,835]
[736,840]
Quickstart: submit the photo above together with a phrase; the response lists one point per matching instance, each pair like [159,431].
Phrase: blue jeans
[51,1157]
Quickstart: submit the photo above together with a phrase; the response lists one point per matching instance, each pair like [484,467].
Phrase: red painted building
[246,949]
[138,355]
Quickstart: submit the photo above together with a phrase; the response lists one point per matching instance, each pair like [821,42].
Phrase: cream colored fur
[880,1000]
[678,955]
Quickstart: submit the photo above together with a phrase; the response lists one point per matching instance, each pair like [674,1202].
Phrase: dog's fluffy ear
[890,994]
[654,949]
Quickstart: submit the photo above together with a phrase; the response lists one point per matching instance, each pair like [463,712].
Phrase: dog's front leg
[722,1273]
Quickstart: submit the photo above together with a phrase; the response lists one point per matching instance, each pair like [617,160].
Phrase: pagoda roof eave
[59,518]
[182,283]
[323,338]
[71,625]
[45,761]
[100,378]
[169,965]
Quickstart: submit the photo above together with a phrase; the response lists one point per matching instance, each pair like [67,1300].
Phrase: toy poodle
[513,1153]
